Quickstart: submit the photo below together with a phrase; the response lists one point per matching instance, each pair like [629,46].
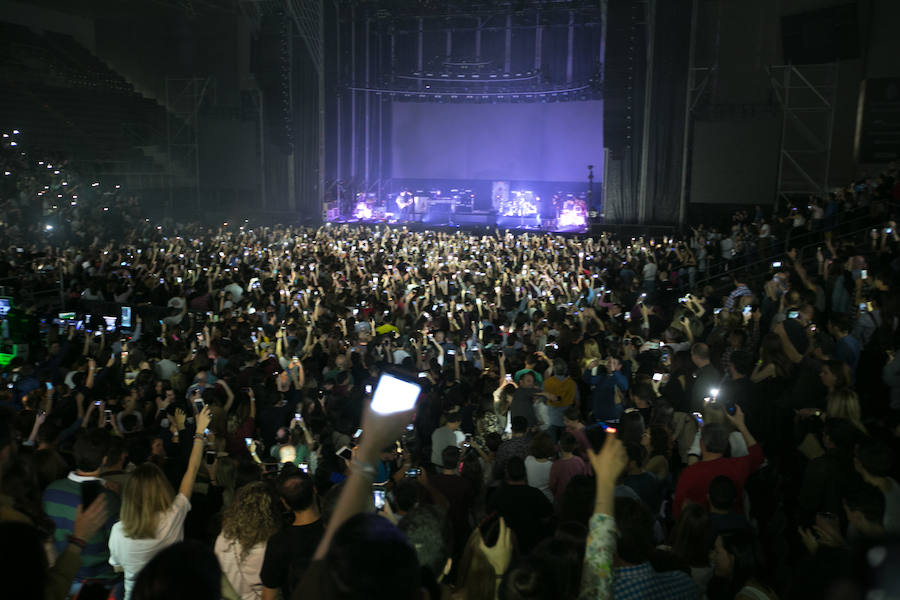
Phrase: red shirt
[693,485]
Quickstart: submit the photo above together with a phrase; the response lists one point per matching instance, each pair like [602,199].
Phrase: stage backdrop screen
[524,142]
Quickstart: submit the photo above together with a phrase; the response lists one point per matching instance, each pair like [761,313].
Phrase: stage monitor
[497,142]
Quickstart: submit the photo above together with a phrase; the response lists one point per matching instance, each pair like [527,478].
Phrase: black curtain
[623,107]
[666,123]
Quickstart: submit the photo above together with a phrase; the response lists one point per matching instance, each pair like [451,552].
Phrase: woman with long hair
[658,443]
[677,389]
[844,404]
[738,568]
[152,515]
[835,375]
[688,542]
[248,524]
[773,362]
[591,353]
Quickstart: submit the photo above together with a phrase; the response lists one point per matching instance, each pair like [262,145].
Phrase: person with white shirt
[538,463]
[152,515]
[236,292]
[247,525]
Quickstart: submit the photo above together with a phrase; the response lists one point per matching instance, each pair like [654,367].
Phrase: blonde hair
[844,404]
[251,518]
[147,495]
[591,353]
[476,577]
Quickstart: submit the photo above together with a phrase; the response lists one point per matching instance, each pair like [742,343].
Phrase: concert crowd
[713,415]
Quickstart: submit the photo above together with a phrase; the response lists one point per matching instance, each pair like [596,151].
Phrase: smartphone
[345,453]
[90,490]
[748,309]
[699,418]
[508,378]
[776,264]
[97,402]
[357,434]
[368,389]
[393,395]
[653,345]
[888,230]
[48,385]
[414,472]
[304,467]
[451,352]
[793,314]
[862,307]
[657,377]
[864,274]
[199,405]
[379,497]
[210,457]
[124,356]
[248,441]
[107,416]
[298,417]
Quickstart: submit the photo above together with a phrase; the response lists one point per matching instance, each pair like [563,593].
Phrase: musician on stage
[405,202]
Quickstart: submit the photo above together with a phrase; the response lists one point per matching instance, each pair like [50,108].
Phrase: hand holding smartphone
[394,395]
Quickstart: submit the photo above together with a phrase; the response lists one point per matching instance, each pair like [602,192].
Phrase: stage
[525,207]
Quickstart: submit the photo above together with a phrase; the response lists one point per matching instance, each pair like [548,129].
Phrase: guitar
[404,200]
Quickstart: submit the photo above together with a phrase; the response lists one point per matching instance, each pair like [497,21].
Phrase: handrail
[857,213]
[866,217]
[800,252]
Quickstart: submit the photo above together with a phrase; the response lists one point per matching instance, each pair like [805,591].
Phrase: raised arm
[380,430]
[187,482]
[596,579]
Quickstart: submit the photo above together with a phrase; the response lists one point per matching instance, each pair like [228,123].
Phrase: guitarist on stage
[405,203]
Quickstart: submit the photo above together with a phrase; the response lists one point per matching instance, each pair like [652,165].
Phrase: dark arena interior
[449,299]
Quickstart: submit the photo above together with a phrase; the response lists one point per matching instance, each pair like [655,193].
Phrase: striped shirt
[61,500]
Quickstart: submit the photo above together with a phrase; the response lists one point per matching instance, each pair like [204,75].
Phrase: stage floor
[474,220]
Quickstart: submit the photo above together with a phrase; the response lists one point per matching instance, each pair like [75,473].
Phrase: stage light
[7,173]
[6,135]
[48,227]
[95,184]
[15,132]
[13,144]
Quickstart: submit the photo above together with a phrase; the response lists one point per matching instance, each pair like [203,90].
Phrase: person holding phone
[152,513]
[693,484]
[63,497]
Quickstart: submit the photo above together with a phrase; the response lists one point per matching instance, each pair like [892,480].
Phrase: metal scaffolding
[806,94]
[309,18]
[184,98]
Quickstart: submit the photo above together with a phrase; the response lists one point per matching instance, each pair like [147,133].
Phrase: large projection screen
[524,142]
